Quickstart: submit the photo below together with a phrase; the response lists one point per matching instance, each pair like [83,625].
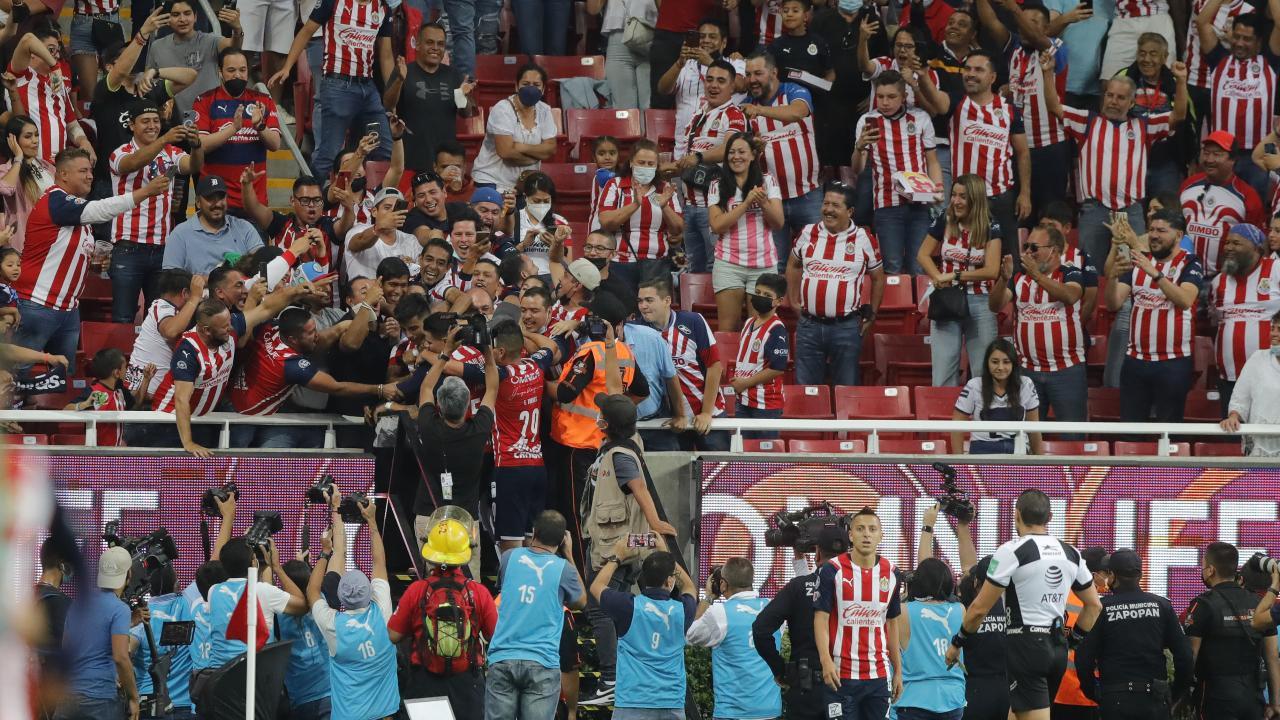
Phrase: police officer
[1127,646]
[794,606]
[986,686]
[1034,571]
[1226,648]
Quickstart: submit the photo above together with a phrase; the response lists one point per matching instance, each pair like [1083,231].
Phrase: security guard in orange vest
[1070,703]
[575,430]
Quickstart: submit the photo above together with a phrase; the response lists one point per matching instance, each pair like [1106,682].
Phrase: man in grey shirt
[189,47]
[199,244]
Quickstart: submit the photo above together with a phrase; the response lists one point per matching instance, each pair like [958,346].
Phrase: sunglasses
[1031,247]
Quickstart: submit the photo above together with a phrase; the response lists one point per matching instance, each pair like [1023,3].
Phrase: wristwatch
[699,156]
[1159,276]
[326,555]
[610,559]
[926,528]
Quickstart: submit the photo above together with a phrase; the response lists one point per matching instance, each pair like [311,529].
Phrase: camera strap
[204,537]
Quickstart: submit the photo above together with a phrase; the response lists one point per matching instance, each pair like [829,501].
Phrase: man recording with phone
[307,219]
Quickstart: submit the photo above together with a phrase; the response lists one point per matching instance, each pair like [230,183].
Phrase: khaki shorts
[728,276]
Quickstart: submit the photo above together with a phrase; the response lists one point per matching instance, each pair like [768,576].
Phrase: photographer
[165,605]
[1267,615]
[1229,676]
[237,557]
[96,642]
[307,677]
[651,631]
[744,686]
[930,689]
[794,606]
[363,667]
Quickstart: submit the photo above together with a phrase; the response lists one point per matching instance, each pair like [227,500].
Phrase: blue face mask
[529,95]
[393,4]
[1275,351]
[849,6]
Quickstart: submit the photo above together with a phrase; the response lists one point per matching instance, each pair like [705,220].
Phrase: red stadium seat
[68,439]
[573,183]
[55,401]
[28,439]
[1076,447]
[583,126]
[897,307]
[660,127]
[806,402]
[1203,406]
[495,78]
[903,359]
[1095,360]
[1218,449]
[727,346]
[696,292]
[568,66]
[95,299]
[755,445]
[1104,404]
[868,373]
[882,402]
[1202,358]
[894,446]
[827,446]
[470,134]
[935,403]
[95,336]
[1127,448]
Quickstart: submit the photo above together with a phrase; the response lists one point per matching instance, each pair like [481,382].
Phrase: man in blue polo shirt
[199,244]
[524,657]
[96,642]
[651,633]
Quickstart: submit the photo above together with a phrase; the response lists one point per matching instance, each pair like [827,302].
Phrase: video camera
[953,501]
[595,327]
[318,494]
[800,529]
[1262,563]
[212,496]
[150,553]
[474,329]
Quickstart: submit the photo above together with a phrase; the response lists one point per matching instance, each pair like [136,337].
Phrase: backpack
[450,638]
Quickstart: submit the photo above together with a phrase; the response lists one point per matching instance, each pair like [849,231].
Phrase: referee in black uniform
[1033,572]
[1127,646]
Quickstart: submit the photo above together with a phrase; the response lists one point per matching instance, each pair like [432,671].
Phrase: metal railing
[91,421]
[287,137]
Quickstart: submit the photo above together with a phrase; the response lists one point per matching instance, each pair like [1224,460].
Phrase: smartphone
[693,39]
[1270,148]
[402,205]
[372,128]
[171,172]
[1122,251]
[344,180]
[642,540]
[875,123]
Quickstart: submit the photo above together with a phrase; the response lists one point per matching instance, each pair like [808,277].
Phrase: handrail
[875,427]
[210,13]
[289,141]
[152,417]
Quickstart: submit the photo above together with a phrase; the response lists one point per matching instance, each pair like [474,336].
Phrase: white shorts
[268,25]
[731,276]
[1122,41]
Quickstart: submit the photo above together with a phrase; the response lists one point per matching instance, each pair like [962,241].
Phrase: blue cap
[311,271]
[486,194]
[1250,233]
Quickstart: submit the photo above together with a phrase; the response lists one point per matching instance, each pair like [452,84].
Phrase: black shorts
[522,494]
[986,698]
[1036,664]
[569,660]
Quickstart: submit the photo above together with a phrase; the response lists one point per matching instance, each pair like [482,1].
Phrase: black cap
[211,185]
[833,539]
[608,307]
[1124,562]
[617,410]
[1095,558]
[139,109]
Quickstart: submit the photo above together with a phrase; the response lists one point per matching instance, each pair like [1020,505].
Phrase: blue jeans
[314,710]
[1095,239]
[859,699]
[82,708]
[543,25]
[1052,165]
[944,159]
[750,413]
[315,61]
[648,714]
[824,348]
[462,34]
[976,332]
[988,447]
[634,272]
[796,212]
[520,690]
[134,269]
[699,244]
[1154,390]
[276,436]
[1117,345]
[44,329]
[901,230]
[489,17]
[1066,391]
[347,105]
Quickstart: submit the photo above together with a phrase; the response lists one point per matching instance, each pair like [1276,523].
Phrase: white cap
[113,568]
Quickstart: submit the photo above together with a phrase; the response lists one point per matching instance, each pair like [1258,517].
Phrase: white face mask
[538,211]
[644,175]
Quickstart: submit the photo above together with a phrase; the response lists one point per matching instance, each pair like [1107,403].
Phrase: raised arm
[1204,26]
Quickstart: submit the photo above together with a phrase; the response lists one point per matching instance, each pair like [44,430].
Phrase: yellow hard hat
[448,543]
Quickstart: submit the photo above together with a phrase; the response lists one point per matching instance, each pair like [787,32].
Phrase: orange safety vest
[573,424]
[1069,692]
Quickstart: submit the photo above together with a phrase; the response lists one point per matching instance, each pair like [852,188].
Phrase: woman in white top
[625,70]
[1254,398]
[519,134]
[533,226]
[744,206]
[1001,393]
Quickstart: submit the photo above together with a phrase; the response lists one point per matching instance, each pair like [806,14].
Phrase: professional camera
[150,553]
[212,496]
[800,529]
[953,501]
[716,581]
[318,493]
[474,331]
[349,508]
[265,524]
[1261,563]
[595,327]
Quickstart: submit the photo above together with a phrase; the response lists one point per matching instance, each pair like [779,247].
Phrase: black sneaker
[603,695]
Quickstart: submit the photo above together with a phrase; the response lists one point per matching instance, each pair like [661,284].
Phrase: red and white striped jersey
[363,210]
[1049,333]
[96,7]
[1158,330]
[1242,96]
[981,141]
[1197,69]
[901,148]
[885,62]
[769,21]
[1245,307]
[207,369]
[350,33]
[56,254]
[517,434]
[762,346]
[860,602]
[148,223]
[51,109]
[1141,8]
[150,347]
[560,313]
[749,243]
[833,266]
[468,355]
[693,349]
[1112,167]
[707,130]
[960,254]
[791,149]
[645,235]
[268,376]
[1026,82]
[1211,210]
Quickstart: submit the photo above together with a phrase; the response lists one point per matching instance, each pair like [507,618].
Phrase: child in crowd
[797,48]
[107,393]
[763,354]
[605,152]
[10,269]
